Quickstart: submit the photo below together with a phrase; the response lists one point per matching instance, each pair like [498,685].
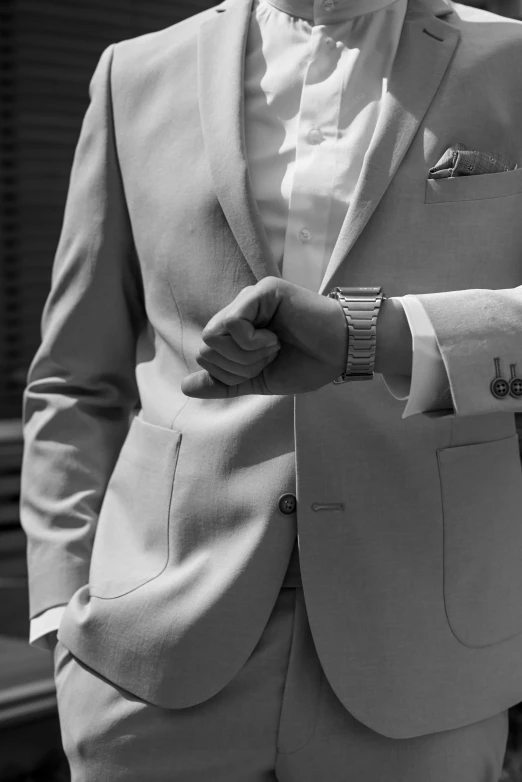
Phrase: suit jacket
[165,538]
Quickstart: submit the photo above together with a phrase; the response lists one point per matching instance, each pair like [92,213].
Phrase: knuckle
[229,320]
[204,352]
[269,282]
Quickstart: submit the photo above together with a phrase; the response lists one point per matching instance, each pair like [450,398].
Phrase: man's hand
[274,338]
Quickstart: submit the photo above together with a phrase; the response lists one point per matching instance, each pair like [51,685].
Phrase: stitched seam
[312,732]
[152,578]
[286,679]
[318,701]
[139,315]
[485,198]
[444,569]
[182,341]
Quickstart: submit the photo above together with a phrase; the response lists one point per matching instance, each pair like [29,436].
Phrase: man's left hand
[274,338]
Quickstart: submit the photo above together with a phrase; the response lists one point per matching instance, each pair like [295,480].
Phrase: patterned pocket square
[458,160]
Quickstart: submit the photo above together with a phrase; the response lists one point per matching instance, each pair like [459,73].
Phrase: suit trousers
[278,719]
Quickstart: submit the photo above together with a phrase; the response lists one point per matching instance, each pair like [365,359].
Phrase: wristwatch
[361,308]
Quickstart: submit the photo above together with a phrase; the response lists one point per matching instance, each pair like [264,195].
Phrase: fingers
[203,386]
[225,345]
[238,318]
[247,336]
[234,350]
[237,336]
[229,371]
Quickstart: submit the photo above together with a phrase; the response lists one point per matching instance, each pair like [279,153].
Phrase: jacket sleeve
[81,387]
[474,328]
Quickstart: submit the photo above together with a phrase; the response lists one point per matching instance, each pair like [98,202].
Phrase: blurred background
[48,52]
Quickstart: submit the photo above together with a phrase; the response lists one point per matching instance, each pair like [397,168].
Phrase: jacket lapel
[425,50]
[221,55]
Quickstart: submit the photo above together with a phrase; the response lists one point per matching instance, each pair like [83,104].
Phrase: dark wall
[511,8]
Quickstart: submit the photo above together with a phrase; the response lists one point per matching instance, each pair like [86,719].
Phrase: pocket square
[458,160]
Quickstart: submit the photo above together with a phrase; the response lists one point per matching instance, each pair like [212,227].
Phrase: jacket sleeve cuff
[476,328]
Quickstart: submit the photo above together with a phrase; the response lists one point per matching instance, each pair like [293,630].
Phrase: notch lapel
[425,50]
[221,56]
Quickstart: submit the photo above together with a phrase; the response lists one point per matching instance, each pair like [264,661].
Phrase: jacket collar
[338,12]
[428,42]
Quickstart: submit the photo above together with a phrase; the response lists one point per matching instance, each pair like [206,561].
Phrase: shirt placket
[315,164]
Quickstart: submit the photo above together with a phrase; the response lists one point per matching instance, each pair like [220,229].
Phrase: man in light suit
[259,568]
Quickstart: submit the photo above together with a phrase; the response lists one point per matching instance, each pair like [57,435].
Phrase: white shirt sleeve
[428,388]
[45,626]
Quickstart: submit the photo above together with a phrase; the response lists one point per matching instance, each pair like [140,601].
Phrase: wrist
[394,349]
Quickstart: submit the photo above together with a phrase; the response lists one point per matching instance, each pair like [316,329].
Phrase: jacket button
[515,388]
[499,388]
[287,504]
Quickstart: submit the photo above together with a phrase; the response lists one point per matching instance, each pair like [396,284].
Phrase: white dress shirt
[315,74]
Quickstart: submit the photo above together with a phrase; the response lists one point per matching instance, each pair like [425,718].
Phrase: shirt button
[315,136]
[287,504]
[330,43]
[328,5]
[305,235]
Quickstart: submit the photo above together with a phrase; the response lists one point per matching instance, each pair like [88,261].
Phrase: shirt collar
[329,11]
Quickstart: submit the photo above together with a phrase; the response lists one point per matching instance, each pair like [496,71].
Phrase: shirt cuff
[428,388]
[44,626]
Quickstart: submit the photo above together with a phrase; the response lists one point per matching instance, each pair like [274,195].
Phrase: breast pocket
[482,512]
[473,188]
[131,545]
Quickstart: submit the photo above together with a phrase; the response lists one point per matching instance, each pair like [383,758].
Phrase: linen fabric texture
[308,121]
[158,530]
[277,719]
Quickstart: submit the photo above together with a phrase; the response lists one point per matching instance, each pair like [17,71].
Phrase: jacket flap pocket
[473,188]
[482,508]
[131,545]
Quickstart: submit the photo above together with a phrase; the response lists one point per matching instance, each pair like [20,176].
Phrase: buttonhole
[432,35]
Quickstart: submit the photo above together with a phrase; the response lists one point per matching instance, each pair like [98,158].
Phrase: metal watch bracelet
[361,308]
